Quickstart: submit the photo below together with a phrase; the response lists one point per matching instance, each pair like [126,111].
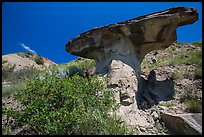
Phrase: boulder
[184,124]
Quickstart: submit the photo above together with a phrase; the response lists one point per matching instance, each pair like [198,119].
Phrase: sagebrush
[69,106]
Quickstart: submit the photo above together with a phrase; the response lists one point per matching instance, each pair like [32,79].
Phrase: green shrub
[187,57]
[199,43]
[103,125]
[74,105]
[175,57]
[25,54]
[21,54]
[194,106]
[75,70]
[39,60]
[198,72]
[172,47]
[7,70]
[9,74]
[4,61]
[167,104]
[82,63]
[12,89]
[178,60]
[187,93]
[161,61]
[176,75]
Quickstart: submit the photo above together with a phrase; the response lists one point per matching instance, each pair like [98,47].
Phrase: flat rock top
[135,29]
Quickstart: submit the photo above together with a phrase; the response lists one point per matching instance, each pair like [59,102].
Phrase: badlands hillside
[21,60]
[71,98]
[22,64]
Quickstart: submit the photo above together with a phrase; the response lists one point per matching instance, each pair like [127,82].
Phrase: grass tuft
[193,105]
[13,89]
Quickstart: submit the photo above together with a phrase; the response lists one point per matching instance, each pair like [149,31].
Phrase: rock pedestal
[125,83]
[119,49]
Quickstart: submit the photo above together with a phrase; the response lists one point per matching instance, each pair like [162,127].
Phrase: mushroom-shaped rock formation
[134,38]
[119,49]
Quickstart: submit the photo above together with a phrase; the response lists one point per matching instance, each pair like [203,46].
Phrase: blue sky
[45,27]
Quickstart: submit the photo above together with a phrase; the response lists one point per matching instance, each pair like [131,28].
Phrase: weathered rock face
[119,49]
[124,80]
[186,124]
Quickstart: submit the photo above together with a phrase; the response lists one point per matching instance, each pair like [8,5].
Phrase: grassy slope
[186,63]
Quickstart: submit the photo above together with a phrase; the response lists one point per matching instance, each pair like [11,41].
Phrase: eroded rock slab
[185,124]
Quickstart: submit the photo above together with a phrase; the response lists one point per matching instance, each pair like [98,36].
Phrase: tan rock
[185,124]
[119,49]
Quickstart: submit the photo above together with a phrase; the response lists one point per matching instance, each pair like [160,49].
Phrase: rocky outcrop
[184,124]
[119,49]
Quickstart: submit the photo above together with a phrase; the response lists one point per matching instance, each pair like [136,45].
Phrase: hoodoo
[119,49]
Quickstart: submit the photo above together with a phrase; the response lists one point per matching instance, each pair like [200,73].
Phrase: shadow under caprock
[151,91]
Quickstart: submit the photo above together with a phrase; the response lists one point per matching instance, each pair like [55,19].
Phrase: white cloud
[28,48]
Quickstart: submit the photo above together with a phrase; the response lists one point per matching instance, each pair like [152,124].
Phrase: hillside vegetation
[63,100]
[181,62]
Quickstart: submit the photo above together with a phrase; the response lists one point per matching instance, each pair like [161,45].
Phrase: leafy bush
[82,63]
[74,105]
[62,72]
[39,60]
[74,70]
